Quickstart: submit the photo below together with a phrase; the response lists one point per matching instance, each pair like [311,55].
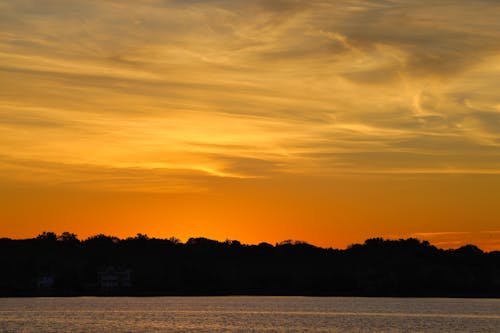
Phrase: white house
[113,279]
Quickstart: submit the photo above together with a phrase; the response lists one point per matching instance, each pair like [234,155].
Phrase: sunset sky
[323,121]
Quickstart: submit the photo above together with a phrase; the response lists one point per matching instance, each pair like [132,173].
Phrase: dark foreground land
[52,265]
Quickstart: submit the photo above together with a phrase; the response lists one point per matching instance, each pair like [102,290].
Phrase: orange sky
[327,122]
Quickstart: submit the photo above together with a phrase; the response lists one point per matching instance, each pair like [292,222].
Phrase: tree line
[63,265]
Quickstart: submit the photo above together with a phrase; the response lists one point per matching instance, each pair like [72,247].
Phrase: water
[248,314]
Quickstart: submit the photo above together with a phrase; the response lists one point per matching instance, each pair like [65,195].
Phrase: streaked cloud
[489,239]
[293,81]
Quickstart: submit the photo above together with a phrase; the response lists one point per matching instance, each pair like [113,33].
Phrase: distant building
[45,282]
[112,279]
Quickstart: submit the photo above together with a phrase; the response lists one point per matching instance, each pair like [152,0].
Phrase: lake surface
[248,314]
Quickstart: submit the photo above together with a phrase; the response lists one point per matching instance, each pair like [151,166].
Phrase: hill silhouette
[63,265]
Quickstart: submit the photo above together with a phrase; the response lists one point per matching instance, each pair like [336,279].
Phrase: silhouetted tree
[47,236]
[68,237]
[201,266]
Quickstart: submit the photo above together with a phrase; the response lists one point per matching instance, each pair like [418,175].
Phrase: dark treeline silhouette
[62,265]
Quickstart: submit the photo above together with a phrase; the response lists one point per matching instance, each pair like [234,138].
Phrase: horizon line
[175,240]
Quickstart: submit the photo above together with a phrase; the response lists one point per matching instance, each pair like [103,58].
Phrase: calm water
[248,314]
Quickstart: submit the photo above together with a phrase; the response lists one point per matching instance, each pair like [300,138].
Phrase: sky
[323,121]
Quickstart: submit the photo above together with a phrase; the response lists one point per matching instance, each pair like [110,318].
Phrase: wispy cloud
[439,234]
[253,88]
[489,239]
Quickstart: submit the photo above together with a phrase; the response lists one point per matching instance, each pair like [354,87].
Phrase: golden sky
[323,121]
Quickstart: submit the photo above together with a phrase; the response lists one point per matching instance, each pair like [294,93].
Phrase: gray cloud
[253,88]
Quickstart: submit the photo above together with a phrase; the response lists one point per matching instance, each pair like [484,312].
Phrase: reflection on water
[248,314]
